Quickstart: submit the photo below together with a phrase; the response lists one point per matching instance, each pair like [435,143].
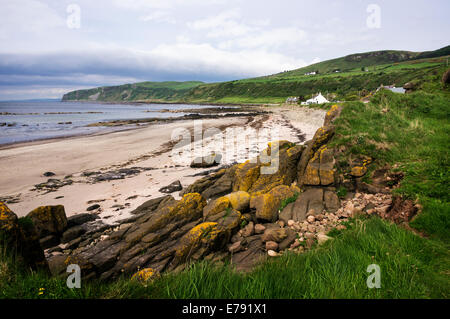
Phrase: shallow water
[35,120]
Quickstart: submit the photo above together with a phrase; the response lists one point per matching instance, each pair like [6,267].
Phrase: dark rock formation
[171,188]
[20,240]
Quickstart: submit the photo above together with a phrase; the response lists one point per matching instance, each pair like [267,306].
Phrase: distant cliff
[143,91]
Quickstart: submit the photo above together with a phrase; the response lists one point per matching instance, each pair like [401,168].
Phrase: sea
[24,121]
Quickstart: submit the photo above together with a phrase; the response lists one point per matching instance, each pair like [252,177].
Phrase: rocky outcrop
[49,222]
[232,213]
[207,161]
[266,205]
[166,235]
[19,239]
[172,188]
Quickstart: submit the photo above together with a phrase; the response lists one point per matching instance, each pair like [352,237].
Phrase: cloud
[159,16]
[29,17]
[224,24]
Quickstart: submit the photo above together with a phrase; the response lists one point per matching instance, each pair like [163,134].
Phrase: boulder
[321,168]
[152,239]
[172,188]
[275,166]
[331,201]
[211,160]
[153,204]
[20,240]
[239,200]
[216,206]
[311,199]
[321,137]
[266,206]
[274,234]
[248,230]
[80,219]
[49,220]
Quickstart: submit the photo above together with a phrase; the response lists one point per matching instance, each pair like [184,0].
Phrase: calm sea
[35,120]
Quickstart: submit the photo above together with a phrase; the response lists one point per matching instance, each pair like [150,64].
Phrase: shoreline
[120,125]
[143,151]
[168,102]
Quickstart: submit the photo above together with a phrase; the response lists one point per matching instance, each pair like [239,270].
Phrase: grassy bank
[413,132]
[411,267]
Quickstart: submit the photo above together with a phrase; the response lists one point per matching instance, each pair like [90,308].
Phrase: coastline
[146,149]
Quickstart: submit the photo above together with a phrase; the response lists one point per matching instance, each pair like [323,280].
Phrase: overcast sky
[46,51]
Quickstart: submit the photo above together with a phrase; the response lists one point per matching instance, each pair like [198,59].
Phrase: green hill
[156,91]
[342,78]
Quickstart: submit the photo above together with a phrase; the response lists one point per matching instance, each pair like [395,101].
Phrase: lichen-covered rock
[275,166]
[49,220]
[189,208]
[266,206]
[206,237]
[20,240]
[321,168]
[145,275]
[359,166]
[8,220]
[245,176]
[321,137]
[240,200]
[332,114]
[216,206]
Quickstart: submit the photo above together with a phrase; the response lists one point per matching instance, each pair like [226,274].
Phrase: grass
[411,267]
[413,133]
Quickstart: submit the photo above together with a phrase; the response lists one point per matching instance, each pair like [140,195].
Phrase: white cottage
[318,99]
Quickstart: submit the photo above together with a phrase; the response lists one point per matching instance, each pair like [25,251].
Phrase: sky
[48,48]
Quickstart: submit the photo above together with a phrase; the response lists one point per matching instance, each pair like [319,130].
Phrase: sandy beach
[147,151]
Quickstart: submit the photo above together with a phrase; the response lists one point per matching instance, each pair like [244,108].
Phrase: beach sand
[149,148]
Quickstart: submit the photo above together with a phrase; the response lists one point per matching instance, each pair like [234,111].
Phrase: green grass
[414,133]
[411,267]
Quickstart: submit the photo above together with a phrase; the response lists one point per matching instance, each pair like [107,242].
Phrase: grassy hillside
[134,92]
[358,73]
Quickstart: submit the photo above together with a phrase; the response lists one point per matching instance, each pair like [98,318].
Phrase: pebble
[272,253]
[310,219]
[259,229]
[271,245]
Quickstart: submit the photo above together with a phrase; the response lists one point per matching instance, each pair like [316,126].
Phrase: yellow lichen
[145,275]
[216,206]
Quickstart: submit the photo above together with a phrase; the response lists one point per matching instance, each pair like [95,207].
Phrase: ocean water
[36,120]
